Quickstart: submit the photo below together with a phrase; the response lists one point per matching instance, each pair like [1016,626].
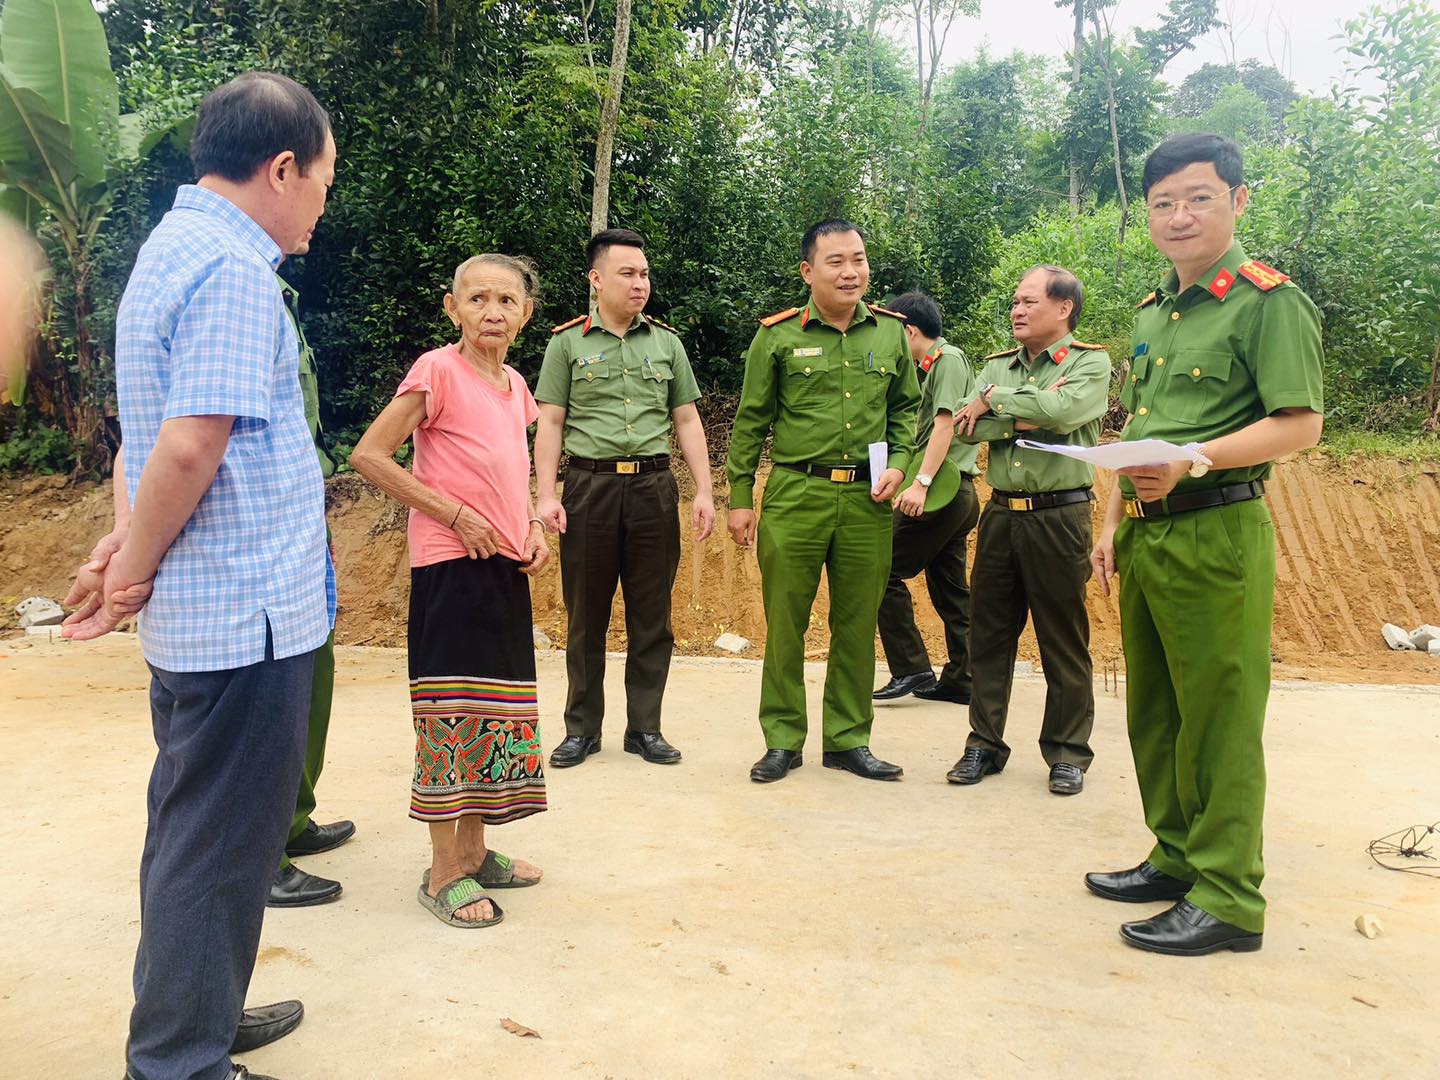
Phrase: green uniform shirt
[309,384]
[1233,348]
[1069,416]
[949,386]
[617,392]
[826,394]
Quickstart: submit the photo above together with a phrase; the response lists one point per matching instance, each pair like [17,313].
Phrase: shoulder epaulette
[1262,276]
[566,325]
[887,311]
[1087,345]
[663,325]
[1004,352]
[1147,301]
[780,316]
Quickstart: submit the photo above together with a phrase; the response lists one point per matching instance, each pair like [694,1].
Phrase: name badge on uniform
[807,352]
[586,361]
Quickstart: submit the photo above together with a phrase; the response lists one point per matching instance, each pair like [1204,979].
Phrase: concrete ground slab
[693,924]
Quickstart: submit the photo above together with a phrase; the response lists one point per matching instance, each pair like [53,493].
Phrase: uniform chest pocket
[589,370]
[1132,374]
[657,376]
[877,383]
[807,380]
[1195,384]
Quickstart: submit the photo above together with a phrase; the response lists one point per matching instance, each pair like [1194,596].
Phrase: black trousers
[620,530]
[1033,563]
[934,543]
[230,748]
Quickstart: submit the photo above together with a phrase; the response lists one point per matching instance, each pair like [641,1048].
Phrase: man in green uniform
[611,385]
[1226,356]
[1032,556]
[293,887]
[827,380]
[932,540]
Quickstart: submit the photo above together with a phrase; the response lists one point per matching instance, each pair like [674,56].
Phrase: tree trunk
[1102,42]
[610,119]
[1076,46]
[1432,394]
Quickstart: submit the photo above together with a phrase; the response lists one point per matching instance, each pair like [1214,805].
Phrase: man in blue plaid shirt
[224,557]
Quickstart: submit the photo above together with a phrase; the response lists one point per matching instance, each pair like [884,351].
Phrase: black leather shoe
[900,685]
[944,692]
[1066,779]
[1185,930]
[318,838]
[293,887]
[974,766]
[776,765]
[240,1072]
[1142,885]
[861,762]
[263,1025]
[573,750]
[651,746]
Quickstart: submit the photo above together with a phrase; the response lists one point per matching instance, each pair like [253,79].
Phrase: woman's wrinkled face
[490,307]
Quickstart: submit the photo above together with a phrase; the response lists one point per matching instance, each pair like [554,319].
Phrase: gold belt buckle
[1020,504]
[1134,508]
[841,476]
[627,468]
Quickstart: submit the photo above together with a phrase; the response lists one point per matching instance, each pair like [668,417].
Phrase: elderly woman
[473,540]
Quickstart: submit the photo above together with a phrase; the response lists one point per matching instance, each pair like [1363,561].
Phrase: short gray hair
[518,265]
[1061,284]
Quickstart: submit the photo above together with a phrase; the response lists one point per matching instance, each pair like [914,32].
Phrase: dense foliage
[466,125]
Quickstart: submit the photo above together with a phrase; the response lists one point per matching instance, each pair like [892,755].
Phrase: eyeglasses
[1199,205]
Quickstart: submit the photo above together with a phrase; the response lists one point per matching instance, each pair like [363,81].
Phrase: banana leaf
[35,145]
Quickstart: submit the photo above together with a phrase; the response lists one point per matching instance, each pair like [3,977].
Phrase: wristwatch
[923,480]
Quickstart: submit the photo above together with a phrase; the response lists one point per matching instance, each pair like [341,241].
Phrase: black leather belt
[1195,500]
[838,474]
[1041,500]
[623,466]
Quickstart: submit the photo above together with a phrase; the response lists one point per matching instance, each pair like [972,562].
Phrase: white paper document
[1122,455]
[879,457]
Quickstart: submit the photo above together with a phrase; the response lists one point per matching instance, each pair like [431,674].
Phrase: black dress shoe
[1066,779]
[293,887]
[573,750]
[318,838]
[776,765]
[240,1072]
[651,746]
[974,766]
[861,762]
[900,685]
[1142,885]
[263,1025]
[944,692]
[1185,930]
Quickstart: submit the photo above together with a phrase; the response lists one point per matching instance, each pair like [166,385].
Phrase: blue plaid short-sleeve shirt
[202,331]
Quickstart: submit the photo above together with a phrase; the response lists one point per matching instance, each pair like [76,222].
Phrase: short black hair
[605,239]
[827,227]
[920,310]
[1061,284]
[1195,148]
[250,120]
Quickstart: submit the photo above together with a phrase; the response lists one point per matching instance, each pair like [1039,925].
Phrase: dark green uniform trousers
[322,692]
[1033,563]
[621,530]
[1197,592]
[806,523]
[934,543]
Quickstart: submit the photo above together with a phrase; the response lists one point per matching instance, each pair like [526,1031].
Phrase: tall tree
[610,118]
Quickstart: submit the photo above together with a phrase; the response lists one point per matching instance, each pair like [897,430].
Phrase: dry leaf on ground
[519,1029]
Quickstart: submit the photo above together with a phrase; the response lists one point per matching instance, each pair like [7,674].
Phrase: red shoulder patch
[1147,301]
[566,325]
[780,316]
[887,311]
[1262,276]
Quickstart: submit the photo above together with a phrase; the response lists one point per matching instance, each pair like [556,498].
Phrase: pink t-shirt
[470,447]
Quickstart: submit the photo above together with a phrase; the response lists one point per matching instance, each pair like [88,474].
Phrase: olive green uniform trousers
[322,692]
[1197,592]
[806,523]
[619,530]
[1033,563]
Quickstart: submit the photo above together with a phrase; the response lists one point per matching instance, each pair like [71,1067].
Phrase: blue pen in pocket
[870,362]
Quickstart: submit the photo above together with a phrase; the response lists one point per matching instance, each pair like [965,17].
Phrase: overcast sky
[1295,35]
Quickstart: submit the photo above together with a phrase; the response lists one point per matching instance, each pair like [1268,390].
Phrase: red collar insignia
[1059,354]
[1220,284]
[929,361]
[804,317]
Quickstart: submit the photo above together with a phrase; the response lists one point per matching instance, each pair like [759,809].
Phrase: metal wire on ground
[1392,851]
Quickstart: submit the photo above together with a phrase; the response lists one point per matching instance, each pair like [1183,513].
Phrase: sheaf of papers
[1122,455]
[879,459]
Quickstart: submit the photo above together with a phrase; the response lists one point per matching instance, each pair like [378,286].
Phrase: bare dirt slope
[1359,545]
